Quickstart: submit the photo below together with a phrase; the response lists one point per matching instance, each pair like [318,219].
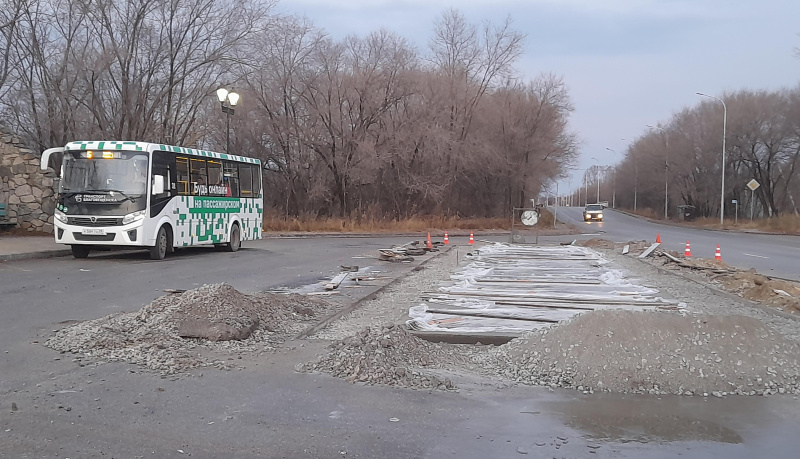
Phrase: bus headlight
[60,216]
[134,217]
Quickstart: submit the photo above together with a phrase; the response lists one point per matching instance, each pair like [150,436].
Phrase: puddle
[645,420]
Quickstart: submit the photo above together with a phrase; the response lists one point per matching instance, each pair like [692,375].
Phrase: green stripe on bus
[215,205]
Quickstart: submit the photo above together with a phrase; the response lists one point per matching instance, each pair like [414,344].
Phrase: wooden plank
[320,293]
[488,314]
[650,250]
[334,283]
[539,280]
[497,297]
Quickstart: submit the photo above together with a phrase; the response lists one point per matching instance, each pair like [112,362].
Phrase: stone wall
[24,187]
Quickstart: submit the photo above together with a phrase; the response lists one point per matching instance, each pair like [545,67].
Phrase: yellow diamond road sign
[753,185]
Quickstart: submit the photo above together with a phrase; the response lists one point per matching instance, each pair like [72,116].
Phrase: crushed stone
[388,355]
[151,336]
[717,346]
[657,353]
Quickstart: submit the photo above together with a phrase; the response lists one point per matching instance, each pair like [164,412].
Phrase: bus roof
[149,147]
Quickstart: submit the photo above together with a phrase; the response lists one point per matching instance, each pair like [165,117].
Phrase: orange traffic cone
[718,255]
[446,239]
[688,251]
[429,244]
[471,238]
[658,238]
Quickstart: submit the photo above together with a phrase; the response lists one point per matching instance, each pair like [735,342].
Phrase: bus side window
[256,169]
[231,177]
[214,172]
[245,181]
[182,166]
[198,177]
[215,181]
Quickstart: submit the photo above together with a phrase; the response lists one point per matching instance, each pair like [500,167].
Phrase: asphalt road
[773,255]
[63,409]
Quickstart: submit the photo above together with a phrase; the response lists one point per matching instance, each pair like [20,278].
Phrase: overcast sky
[626,63]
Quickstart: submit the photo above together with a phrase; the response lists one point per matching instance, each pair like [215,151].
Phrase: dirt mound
[387,355]
[596,243]
[755,287]
[747,284]
[212,315]
[633,246]
[660,353]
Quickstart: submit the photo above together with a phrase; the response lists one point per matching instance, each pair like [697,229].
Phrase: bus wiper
[109,190]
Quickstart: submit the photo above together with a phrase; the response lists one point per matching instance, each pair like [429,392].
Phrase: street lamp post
[666,169]
[724,127]
[597,177]
[614,185]
[635,175]
[228,100]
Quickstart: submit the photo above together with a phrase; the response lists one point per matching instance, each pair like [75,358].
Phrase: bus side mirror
[158,184]
[45,160]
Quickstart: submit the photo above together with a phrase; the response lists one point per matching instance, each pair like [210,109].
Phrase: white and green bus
[154,196]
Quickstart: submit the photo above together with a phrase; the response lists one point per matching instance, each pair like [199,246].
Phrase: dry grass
[645,212]
[376,225]
[785,224]
[310,224]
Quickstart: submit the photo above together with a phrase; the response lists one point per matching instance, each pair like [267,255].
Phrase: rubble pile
[750,285]
[597,243]
[654,352]
[781,294]
[389,355]
[165,334]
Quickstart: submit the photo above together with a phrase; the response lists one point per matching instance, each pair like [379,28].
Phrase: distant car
[593,212]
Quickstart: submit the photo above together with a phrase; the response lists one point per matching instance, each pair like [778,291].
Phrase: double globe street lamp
[228,100]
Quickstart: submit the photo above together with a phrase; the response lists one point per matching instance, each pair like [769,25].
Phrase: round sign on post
[530,218]
[753,185]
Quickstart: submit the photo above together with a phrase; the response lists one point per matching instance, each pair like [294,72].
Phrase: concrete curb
[348,309]
[35,255]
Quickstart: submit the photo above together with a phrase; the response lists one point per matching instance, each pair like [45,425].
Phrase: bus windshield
[99,172]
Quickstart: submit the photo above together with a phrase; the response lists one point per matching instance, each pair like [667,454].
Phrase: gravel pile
[721,346]
[152,338]
[652,352]
[389,355]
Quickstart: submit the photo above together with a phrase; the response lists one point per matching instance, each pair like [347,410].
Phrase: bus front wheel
[80,251]
[236,239]
[159,251]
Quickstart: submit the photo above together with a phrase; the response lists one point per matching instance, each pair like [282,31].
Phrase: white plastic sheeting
[513,289]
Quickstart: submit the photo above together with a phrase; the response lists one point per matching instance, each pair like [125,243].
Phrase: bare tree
[763,143]
[764,139]
[11,12]
[473,60]
[283,65]
[137,70]
[351,127]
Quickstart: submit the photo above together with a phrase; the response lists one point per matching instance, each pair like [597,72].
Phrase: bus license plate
[93,231]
